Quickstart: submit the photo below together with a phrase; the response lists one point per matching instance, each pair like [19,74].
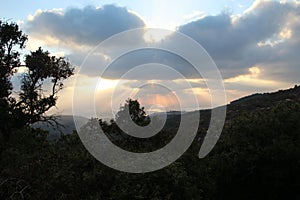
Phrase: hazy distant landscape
[66,126]
[251,103]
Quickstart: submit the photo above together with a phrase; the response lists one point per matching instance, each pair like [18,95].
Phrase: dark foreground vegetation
[257,156]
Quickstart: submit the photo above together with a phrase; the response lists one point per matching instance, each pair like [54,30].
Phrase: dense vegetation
[257,156]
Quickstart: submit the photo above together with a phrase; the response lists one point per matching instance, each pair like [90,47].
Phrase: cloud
[195,15]
[151,64]
[264,39]
[75,32]
[266,33]
[89,25]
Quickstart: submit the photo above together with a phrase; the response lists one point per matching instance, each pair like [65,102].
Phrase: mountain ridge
[250,103]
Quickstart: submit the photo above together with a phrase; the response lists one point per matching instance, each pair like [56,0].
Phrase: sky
[254,45]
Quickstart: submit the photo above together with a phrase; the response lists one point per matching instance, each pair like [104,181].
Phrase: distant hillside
[246,104]
[68,126]
[249,103]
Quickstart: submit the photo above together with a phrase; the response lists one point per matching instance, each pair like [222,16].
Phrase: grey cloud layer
[89,25]
[232,41]
[233,44]
[222,37]
[151,64]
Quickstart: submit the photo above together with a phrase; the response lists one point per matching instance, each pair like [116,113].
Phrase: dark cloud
[158,64]
[173,85]
[89,25]
[233,41]
[221,36]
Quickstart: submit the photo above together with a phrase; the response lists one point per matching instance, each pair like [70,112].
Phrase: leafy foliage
[132,110]
[259,155]
[135,112]
[32,102]
[11,39]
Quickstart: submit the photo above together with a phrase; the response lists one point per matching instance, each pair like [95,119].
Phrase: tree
[136,113]
[42,71]
[34,101]
[11,40]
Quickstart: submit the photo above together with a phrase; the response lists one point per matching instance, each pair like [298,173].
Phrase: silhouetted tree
[11,41]
[34,101]
[136,113]
[41,70]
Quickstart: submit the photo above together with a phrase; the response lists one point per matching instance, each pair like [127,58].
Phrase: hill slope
[247,104]
[68,126]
